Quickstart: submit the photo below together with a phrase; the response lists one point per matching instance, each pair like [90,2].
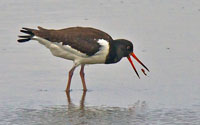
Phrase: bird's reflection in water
[82,101]
[81,114]
[95,114]
[71,114]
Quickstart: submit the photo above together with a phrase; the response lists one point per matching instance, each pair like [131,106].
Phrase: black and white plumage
[82,45]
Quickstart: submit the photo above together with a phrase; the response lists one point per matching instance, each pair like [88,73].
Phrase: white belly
[66,52]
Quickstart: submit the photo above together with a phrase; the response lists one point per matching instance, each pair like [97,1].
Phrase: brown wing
[83,39]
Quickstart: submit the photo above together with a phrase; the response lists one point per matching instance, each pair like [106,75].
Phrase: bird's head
[125,49]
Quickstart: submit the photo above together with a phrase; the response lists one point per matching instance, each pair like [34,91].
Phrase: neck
[113,56]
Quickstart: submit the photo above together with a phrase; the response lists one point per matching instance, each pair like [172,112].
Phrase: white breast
[100,56]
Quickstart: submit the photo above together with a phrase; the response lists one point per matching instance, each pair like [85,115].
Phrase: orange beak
[135,57]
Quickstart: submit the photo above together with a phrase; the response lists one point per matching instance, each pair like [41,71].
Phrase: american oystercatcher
[82,45]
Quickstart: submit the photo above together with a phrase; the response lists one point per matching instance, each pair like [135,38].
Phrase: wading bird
[82,45]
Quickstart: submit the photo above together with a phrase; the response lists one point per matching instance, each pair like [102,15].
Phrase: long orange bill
[134,56]
[129,59]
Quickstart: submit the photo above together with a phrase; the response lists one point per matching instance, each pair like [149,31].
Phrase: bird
[83,46]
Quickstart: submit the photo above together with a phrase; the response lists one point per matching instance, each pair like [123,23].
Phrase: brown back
[83,39]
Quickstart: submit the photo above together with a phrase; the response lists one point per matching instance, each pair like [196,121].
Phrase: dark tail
[29,35]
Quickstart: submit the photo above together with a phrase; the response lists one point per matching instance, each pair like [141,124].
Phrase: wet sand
[166,38]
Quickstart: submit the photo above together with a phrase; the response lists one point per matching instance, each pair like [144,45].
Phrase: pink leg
[82,74]
[70,78]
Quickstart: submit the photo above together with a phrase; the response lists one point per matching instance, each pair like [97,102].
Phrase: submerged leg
[70,78]
[82,74]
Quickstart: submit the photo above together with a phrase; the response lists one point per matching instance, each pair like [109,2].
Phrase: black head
[124,48]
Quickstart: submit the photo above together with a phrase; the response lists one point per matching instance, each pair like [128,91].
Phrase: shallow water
[165,35]
[138,113]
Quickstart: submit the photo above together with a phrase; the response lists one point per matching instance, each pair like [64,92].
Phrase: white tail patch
[42,41]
